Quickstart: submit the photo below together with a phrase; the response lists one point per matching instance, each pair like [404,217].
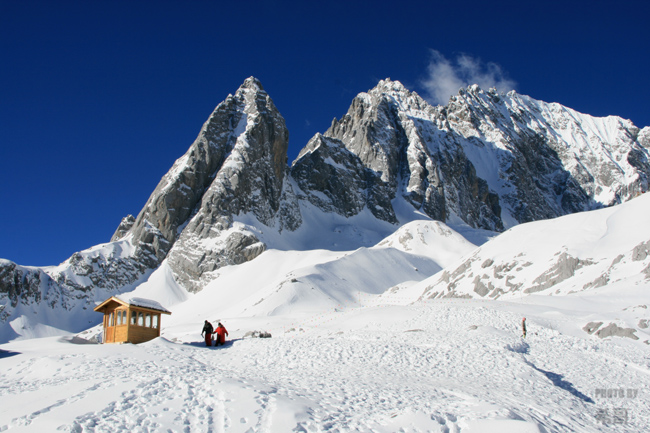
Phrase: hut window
[155,320]
[123,317]
[133,317]
[148,322]
[140,319]
[110,319]
[118,318]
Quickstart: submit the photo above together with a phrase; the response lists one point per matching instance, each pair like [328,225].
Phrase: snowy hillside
[600,257]
[310,281]
[439,366]
[358,344]
[561,256]
[62,297]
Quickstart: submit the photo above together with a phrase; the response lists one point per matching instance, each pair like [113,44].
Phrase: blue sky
[99,98]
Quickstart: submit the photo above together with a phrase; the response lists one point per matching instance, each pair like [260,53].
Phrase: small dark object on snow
[257,334]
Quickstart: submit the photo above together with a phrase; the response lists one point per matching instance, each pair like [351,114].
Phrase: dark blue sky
[99,98]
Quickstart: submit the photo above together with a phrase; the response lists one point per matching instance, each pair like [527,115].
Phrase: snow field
[444,366]
[354,350]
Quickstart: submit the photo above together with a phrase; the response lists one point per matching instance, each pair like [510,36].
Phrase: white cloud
[445,78]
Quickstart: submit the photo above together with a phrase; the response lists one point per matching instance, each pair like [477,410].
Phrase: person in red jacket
[221,334]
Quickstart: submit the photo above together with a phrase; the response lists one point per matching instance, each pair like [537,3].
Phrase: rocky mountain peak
[389,86]
[244,127]
[252,83]
[474,95]
[250,179]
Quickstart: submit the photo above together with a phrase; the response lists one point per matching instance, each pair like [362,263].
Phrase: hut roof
[148,304]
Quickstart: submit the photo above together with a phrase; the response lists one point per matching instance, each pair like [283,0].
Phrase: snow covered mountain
[237,165]
[483,162]
[491,160]
[570,254]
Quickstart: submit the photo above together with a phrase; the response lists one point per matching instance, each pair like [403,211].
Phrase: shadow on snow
[202,344]
[7,353]
[558,380]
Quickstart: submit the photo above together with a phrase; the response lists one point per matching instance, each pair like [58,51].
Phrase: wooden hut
[133,320]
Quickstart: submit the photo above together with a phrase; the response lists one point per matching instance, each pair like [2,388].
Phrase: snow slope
[600,260]
[311,281]
[439,366]
[356,346]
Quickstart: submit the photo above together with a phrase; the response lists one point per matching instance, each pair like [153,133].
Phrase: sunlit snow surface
[356,347]
[442,366]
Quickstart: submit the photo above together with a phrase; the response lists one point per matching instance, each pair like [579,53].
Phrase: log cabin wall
[109,329]
[121,324]
[143,325]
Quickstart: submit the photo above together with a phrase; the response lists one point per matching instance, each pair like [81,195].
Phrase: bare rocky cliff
[493,161]
[401,138]
[250,179]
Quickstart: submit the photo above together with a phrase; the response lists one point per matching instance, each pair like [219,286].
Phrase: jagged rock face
[644,137]
[335,180]
[79,282]
[251,176]
[249,180]
[108,269]
[371,131]
[19,284]
[181,190]
[493,161]
[399,136]
[125,226]
[550,160]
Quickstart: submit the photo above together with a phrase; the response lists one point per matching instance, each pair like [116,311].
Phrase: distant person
[523,327]
[207,330]
[221,334]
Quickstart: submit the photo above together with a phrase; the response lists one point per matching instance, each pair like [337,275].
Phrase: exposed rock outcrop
[397,135]
[249,178]
[125,226]
[334,179]
[491,160]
